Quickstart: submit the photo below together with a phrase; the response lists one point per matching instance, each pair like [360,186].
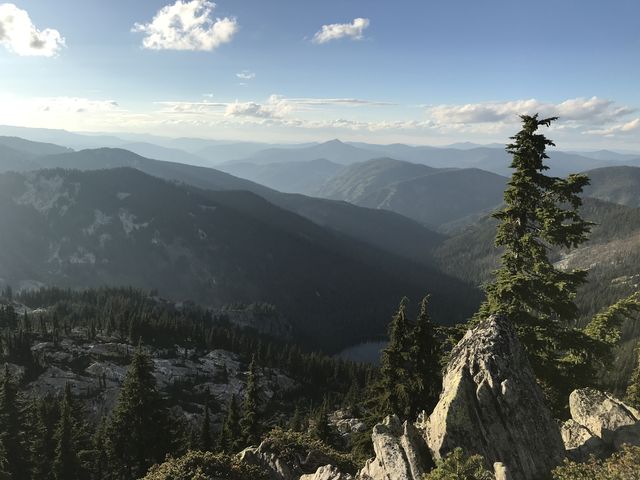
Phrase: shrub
[624,465]
[457,466]
[196,465]
[290,445]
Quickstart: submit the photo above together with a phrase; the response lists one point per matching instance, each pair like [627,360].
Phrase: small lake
[367,352]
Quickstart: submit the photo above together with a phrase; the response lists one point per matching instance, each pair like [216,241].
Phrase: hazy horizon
[421,73]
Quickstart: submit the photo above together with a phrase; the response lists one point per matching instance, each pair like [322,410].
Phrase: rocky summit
[401,452]
[491,405]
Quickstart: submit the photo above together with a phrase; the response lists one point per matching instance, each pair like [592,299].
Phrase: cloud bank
[336,31]
[187,26]
[19,35]
[592,110]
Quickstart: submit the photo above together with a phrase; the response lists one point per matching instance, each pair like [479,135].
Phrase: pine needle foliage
[395,373]
[137,434]
[541,213]
[633,390]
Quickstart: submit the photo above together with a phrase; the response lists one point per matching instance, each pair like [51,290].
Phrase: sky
[411,71]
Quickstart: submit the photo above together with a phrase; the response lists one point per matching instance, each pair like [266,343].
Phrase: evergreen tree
[5,474]
[250,423]
[66,465]
[425,354]
[633,390]
[395,395]
[205,431]
[12,429]
[295,423]
[321,428]
[43,416]
[137,434]
[230,437]
[352,398]
[100,463]
[540,212]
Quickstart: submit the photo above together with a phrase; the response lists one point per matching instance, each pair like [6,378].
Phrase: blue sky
[416,71]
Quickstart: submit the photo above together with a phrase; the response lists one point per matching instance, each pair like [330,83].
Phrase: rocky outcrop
[401,452]
[346,423]
[95,369]
[270,461]
[491,405]
[600,424]
[601,413]
[328,472]
[580,442]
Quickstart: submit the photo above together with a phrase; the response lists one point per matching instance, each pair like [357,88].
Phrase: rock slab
[607,419]
[328,472]
[401,452]
[601,413]
[492,405]
[580,442]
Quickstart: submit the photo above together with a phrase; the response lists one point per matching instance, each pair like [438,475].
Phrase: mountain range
[123,227]
[374,229]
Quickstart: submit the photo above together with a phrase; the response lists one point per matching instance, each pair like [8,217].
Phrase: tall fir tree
[205,430]
[100,460]
[250,423]
[320,424]
[43,416]
[296,421]
[540,212]
[66,465]
[633,390]
[395,378]
[229,440]
[137,434]
[425,354]
[12,429]
[4,464]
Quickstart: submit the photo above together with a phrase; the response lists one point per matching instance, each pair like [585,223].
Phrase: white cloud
[72,105]
[191,107]
[246,75]
[187,25]
[349,102]
[577,111]
[276,107]
[20,36]
[335,31]
[632,126]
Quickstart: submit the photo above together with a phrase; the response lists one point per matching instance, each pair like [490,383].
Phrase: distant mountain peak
[335,141]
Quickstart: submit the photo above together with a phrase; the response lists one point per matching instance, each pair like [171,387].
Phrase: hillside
[611,255]
[333,150]
[615,184]
[386,230]
[358,181]
[433,197]
[123,227]
[218,153]
[167,154]
[292,177]
[15,160]
[32,148]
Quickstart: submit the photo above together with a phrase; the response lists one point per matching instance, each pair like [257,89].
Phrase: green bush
[289,445]
[204,466]
[457,466]
[624,465]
